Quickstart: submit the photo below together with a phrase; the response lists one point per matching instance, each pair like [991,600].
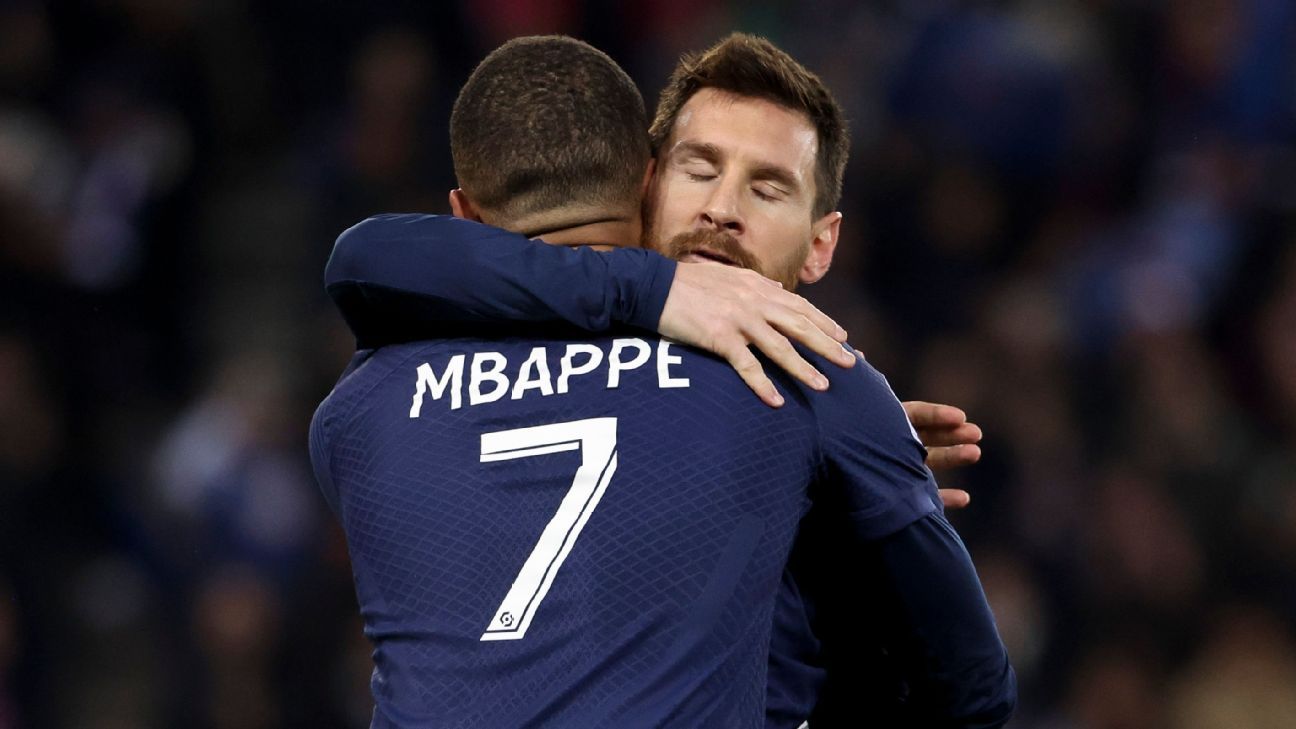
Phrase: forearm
[400,276]
[958,670]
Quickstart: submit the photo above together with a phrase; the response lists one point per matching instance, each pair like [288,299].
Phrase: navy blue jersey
[884,577]
[476,274]
[588,532]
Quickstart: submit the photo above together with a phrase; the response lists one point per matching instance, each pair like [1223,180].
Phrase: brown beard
[718,244]
[724,248]
[709,243]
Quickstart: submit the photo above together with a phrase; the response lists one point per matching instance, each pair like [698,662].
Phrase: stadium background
[1074,219]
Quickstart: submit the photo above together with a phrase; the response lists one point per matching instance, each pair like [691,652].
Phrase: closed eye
[699,177]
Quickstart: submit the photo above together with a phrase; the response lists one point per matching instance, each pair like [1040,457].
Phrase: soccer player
[700,488]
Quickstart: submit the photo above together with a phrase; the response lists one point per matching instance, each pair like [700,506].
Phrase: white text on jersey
[490,378]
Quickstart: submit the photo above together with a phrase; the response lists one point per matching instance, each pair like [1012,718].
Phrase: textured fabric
[401,277]
[660,614]
[840,610]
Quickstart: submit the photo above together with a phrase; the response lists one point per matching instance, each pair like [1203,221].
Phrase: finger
[937,437]
[782,353]
[952,456]
[820,320]
[795,326]
[955,498]
[929,414]
[751,372]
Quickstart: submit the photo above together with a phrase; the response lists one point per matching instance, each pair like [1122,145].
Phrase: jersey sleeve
[873,463]
[944,635]
[399,277]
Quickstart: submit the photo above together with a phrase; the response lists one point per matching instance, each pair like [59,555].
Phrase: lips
[707,245]
[701,255]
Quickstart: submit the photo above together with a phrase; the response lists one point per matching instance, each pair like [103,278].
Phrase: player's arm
[941,630]
[396,277]
[944,633]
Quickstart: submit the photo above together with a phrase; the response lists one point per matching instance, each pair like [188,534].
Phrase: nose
[722,211]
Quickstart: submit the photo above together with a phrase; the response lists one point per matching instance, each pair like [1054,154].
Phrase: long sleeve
[945,640]
[402,277]
[894,599]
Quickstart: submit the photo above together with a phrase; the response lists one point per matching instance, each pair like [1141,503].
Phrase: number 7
[595,438]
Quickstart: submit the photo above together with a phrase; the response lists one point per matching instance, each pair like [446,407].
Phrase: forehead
[749,129]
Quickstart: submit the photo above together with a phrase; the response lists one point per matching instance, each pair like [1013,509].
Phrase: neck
[602,229]
[598,233]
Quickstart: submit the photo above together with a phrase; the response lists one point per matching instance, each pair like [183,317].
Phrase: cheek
[676,205]
[781,242]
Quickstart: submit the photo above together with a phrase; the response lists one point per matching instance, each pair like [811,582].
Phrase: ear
[462,207]
[822,247]
[648,175]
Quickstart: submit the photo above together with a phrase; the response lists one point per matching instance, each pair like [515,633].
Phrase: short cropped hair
[544,122]
[747,65]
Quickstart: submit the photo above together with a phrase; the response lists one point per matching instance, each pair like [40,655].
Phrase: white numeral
[595,438]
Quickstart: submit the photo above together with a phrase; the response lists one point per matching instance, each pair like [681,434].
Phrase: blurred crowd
[1076,219]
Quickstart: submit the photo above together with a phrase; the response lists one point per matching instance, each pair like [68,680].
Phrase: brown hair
[747,65]
[547,121]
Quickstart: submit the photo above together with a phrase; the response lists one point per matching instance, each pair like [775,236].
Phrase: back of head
[547,123]
[747,65]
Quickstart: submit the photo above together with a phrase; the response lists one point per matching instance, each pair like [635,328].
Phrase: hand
[954,498]
[723,309]
[950,439]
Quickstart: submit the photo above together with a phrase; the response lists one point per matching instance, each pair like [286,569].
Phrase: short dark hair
[547,121]
[747,65]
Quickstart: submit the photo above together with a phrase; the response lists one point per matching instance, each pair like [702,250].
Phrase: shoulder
[420,225]
[870,452]
[370,373]
[385,221]
[861,393]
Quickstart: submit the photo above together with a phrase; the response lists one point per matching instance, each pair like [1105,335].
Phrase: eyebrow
[764,171]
